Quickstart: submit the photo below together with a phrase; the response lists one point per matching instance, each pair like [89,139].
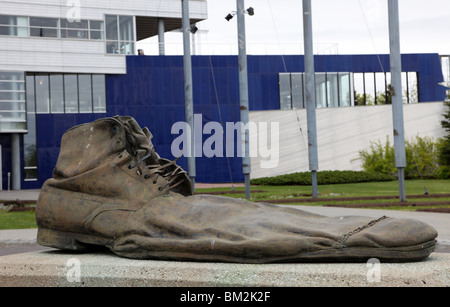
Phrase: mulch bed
[312,200]
[375,205]
[437,210]
[228,192]
[392,204]
[20,205]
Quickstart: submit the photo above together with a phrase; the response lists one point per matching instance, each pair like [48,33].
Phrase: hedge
[323,177]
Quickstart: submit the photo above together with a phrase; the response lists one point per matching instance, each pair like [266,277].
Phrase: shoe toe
[394,233]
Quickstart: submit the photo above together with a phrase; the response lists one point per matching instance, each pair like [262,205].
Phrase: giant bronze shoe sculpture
[111,188]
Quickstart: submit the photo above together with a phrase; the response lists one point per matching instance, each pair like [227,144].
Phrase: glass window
[127,48]
[388,88]
[57,93]
[369,80]
[12,102]
[71,93]
[12,95]
[82,24]
[126,28]
[344,90]
[380,86]
[43,32]
[321,90]
[65,93]
[30,95]
[97,30]
[11,86]
[29,139]
[112,29]
[44,27]
[85,93]
[42,93]
[112,47]
[13,25]
[75,29]
[43,22]
[405,88]
[285,91]
[14,21]
[119,34]
[333,90]
[359,89]
[297,91]
[99,93]
[14,31]
[96,25]
[413,89]
[97,35]
[30,161]
[70,33]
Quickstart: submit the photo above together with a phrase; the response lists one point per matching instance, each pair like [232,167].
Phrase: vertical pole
[161,37]
[396,93]
[243,92]
[310,92]
[1,169]
[15,161]
[188,92]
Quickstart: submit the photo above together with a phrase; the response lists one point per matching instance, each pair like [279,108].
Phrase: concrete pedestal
[57,268]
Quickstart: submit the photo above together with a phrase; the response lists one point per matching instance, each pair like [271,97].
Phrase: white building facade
[54,55]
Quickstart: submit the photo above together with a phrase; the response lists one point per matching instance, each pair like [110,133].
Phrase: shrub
[444,148]
[422,158]
[323,177]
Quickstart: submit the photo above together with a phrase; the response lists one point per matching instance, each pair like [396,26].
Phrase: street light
[194,29]
[243,87]
[250,11]
[230,16]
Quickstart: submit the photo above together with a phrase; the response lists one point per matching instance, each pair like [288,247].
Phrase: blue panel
[152,91]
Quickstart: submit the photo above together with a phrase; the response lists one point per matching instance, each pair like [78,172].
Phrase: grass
[337,191]
[23,220]
[412,187]
[17,220]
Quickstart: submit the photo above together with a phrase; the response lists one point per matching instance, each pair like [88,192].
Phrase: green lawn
[17,220]
[389,188]
[22,220]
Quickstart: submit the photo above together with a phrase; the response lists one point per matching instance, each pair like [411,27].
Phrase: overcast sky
[339,27]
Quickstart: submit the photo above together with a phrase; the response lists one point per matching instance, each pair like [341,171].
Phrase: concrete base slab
[57,268]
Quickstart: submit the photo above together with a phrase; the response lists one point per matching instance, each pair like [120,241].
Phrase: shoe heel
[60,240]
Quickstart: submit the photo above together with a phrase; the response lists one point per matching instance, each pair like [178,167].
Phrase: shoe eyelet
[160,189]
[138,172]
[130,166]
[146,176]
[120,156]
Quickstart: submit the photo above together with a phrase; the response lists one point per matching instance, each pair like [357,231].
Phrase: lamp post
[188,92]
[310,95]
[243,94]
[396,93]
[243,89]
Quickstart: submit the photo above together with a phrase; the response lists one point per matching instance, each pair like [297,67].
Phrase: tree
[444,156]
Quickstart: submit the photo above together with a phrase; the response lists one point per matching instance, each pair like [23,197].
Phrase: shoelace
[143,151]
[154,171]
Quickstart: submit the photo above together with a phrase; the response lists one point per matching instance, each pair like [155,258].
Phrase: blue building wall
[152,91]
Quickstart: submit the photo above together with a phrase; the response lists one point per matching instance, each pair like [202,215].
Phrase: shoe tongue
[139,140]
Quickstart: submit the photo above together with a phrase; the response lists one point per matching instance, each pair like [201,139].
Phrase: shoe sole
[82,242]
